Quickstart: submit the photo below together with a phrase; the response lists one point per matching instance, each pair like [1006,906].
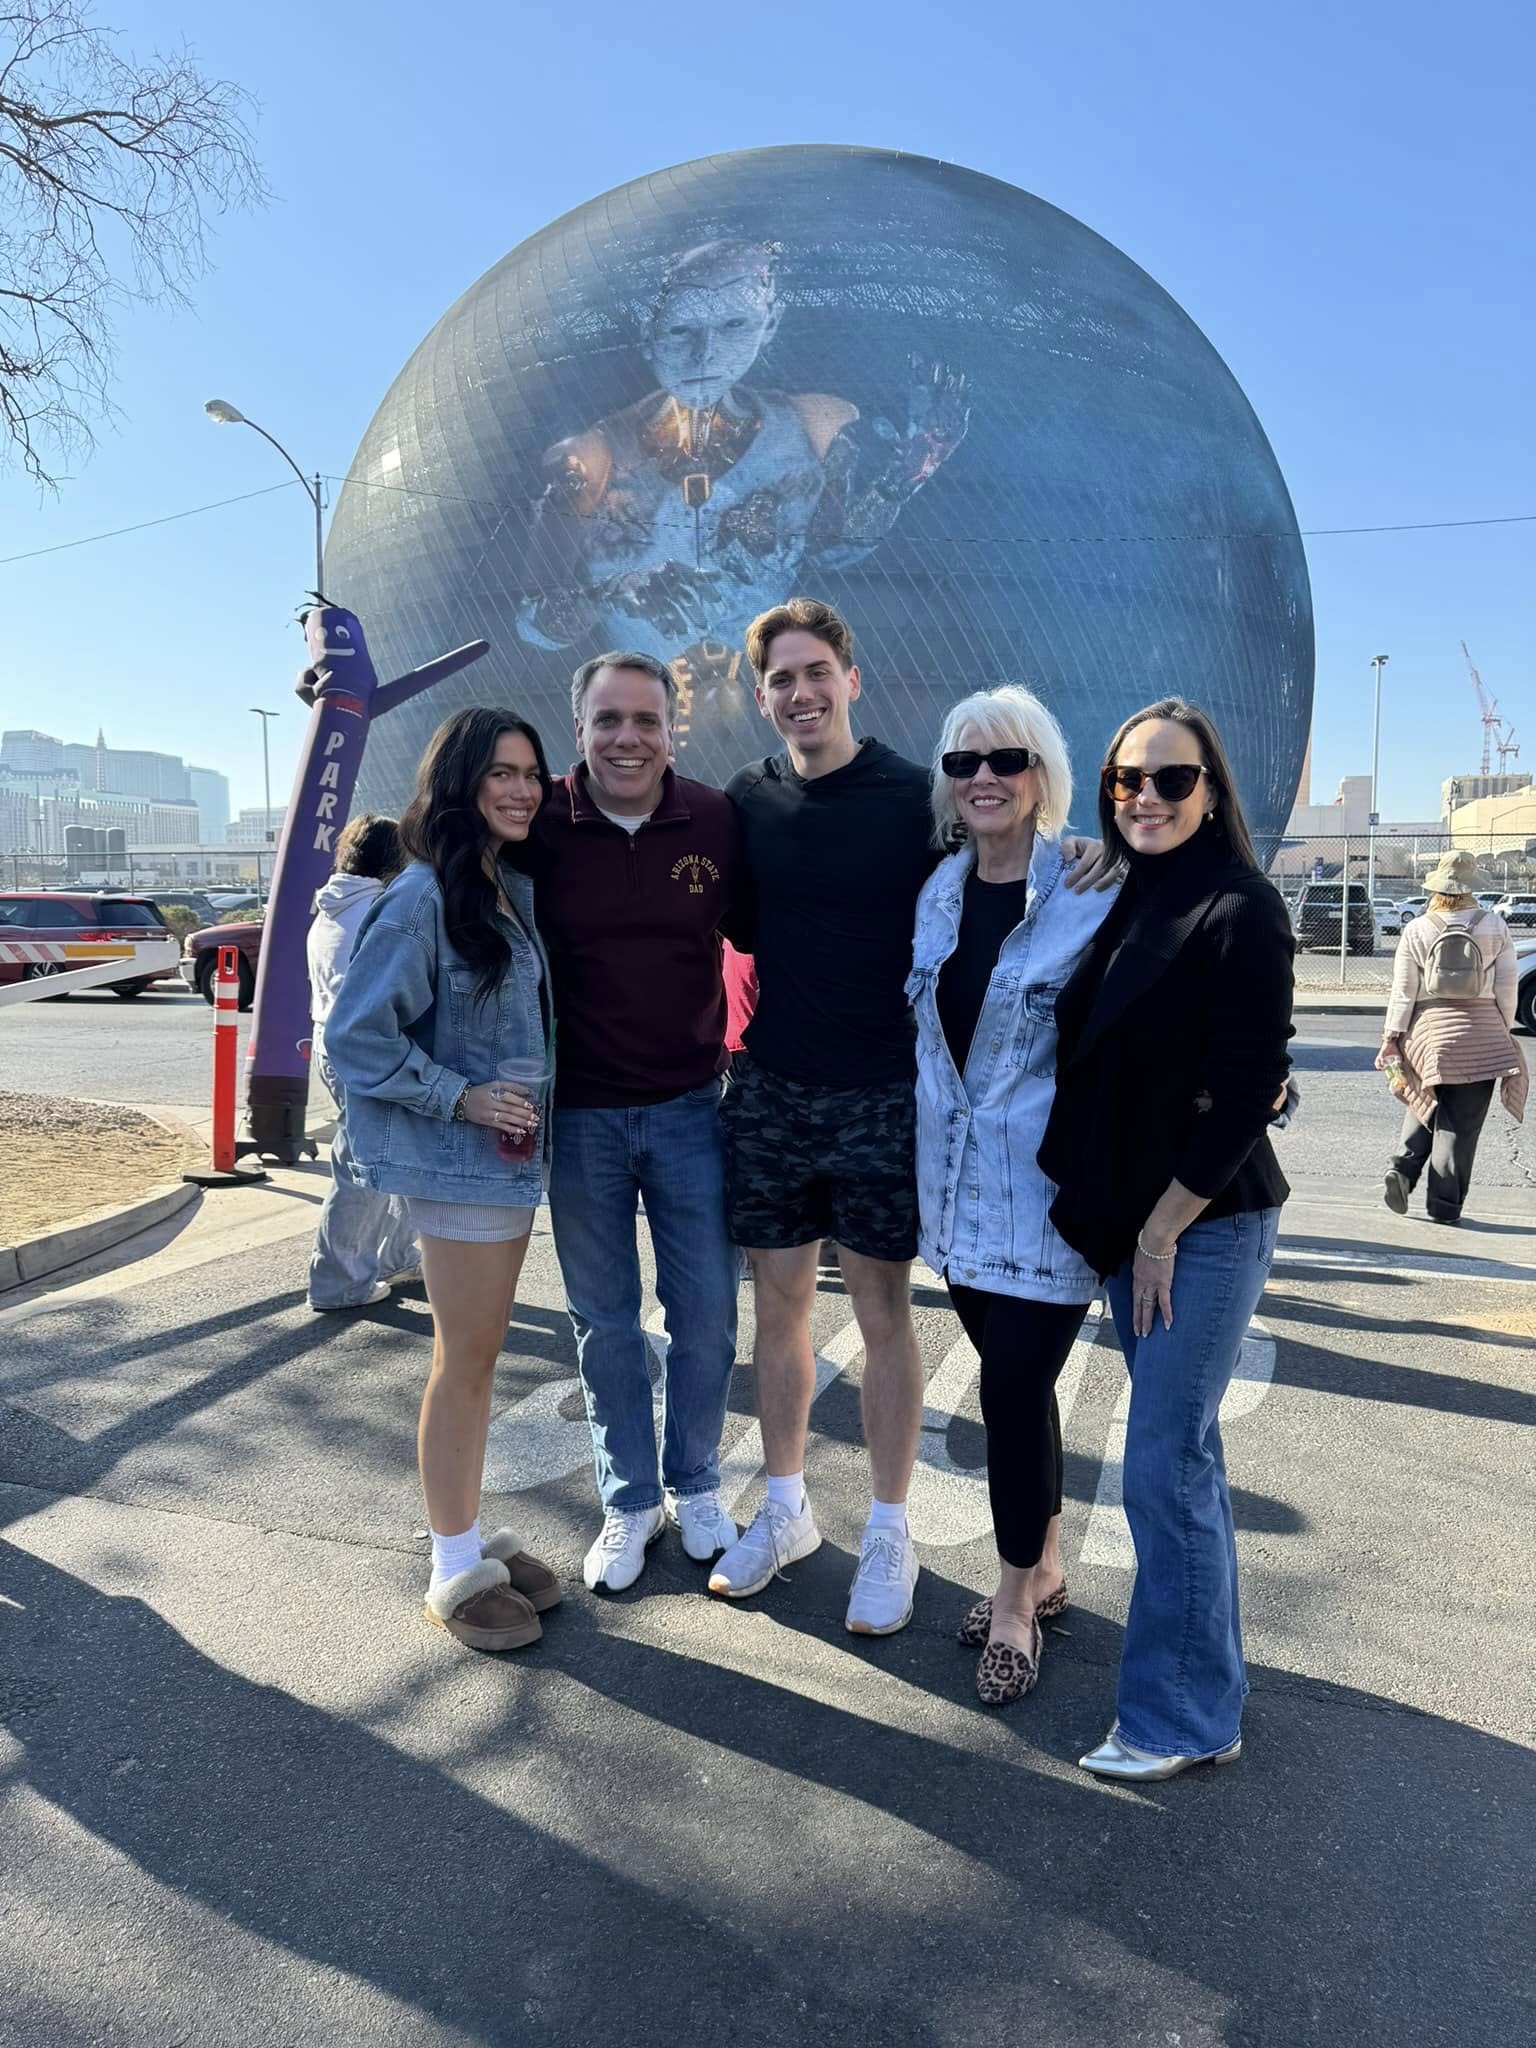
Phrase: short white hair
[1009,716]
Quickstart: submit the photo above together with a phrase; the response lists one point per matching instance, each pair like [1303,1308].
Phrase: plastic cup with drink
[529,1073]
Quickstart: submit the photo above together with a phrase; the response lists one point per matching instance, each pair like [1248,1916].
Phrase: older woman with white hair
[998,934]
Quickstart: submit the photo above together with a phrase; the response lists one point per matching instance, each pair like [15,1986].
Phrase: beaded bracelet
[1161,1257]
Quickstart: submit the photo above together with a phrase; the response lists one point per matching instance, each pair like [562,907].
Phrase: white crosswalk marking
[1107,1542]
[742,1463]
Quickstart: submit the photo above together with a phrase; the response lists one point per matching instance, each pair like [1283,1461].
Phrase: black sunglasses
[1002,761]
[1173,784]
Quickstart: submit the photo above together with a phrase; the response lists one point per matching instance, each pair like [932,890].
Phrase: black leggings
[1023,1347]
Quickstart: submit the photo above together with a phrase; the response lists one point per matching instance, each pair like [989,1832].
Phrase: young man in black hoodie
[819,1128]
[820,1119]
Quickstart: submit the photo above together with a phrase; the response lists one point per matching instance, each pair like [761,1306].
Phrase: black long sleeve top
[1172,1040]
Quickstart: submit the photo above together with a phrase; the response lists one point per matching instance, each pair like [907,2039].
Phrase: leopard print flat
[1006,1673]
[977,1625]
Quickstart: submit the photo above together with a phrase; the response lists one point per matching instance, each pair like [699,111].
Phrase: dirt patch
[63,1159]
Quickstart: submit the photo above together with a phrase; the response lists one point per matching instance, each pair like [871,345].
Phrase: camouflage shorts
[802,1163]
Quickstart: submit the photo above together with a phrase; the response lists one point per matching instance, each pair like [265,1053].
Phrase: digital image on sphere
[952,411]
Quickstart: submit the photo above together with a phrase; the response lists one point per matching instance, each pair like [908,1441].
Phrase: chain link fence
[221,870]
[1350,896]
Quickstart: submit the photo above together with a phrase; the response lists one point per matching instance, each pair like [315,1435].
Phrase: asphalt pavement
[249,1798]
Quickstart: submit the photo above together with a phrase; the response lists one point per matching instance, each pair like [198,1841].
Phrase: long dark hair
[1227,822]
[442,825]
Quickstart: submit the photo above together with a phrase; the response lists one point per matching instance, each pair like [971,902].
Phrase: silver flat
[1117,1758]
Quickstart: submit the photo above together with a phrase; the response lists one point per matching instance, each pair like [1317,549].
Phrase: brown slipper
[479,1607]
[535,1581]
[1006,1673]
[977,1625]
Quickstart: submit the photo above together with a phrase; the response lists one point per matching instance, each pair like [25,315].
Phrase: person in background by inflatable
[363,1237]
[449,984]
[1447,1039]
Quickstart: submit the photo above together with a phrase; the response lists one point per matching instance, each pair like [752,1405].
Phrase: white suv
[1518,912]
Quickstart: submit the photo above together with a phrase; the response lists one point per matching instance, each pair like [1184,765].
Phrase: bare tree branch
[110,171]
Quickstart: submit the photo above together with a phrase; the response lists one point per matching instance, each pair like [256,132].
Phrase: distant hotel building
[47,785]
[256,827]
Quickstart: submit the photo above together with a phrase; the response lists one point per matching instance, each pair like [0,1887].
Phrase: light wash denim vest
[984,1202]
[408,1031]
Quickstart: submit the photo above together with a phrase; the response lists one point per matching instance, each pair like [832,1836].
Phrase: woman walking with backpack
[1447,1039]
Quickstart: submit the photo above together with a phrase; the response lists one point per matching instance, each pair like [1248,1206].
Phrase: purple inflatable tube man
[347,696]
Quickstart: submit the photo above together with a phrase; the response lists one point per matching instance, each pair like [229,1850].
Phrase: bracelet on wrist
[1162,1258]
[456,1115]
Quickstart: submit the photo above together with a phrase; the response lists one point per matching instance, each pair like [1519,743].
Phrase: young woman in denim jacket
[998,933]
[448,980]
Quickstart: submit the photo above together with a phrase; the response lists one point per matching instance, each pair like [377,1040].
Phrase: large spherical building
[960,416]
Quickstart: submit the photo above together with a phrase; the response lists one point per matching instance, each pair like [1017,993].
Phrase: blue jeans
[1182,1682]
[362,1236]
[604,1161]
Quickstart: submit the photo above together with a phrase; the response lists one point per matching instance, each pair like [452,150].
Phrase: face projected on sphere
[717,314]
[510,792]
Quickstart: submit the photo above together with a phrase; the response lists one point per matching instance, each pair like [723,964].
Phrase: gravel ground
[64,1158]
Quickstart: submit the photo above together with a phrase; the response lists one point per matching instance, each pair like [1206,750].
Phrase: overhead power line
[142,525]
[953,540]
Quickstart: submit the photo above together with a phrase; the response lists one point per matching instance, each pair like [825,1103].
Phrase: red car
[200,958]
[63,916]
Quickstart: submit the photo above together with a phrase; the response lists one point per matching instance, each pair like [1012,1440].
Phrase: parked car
[232,902]
[1318,912]
[1518,912]
[200,958]
[1412,907]
[1525,995]
[58,916]
[1388,914]
[202,907]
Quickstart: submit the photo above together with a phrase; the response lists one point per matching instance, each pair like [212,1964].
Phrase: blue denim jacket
[408,1032]
[984,1202]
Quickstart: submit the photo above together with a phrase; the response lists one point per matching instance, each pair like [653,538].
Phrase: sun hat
[1454,874]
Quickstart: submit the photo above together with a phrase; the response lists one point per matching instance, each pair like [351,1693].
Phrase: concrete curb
[100,1231]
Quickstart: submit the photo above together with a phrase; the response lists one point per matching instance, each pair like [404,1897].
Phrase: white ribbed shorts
[468,1222]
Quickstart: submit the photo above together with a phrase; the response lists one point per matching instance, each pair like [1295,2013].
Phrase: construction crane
[1507,745]
[1489,706]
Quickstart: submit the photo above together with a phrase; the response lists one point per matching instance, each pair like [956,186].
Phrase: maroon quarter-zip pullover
[631,922]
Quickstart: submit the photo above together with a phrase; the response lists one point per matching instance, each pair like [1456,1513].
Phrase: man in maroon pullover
[636,874]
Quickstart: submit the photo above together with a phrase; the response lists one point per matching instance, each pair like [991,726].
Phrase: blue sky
[1338,195]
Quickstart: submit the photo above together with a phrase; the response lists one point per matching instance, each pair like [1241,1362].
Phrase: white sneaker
[881,1598]
[617,1558]
[776,1538]
[705,1527]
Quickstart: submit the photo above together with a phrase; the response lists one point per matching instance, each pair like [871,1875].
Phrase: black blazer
[1173,1007]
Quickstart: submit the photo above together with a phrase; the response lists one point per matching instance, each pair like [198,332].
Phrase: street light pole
[227,415]
[1378,662]
[266,781]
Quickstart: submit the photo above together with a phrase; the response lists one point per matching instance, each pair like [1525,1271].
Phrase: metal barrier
[62,966]
[223,1172]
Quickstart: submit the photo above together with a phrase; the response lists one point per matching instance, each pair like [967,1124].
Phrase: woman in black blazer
[1171,1054]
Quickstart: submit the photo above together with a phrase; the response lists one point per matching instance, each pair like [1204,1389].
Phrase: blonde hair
[1462,899]
[1009,716]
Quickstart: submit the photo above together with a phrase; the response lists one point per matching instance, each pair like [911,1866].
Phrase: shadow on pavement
[1350,1882]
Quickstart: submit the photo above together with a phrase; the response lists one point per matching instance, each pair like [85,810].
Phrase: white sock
[789,1491]
[454,1554]
[887,1514]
